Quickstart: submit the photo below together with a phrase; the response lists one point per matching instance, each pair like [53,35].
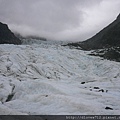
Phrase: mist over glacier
[49,79]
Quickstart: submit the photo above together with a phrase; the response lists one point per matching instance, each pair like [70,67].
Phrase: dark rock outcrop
[109,108]
[6,36]
[112,53]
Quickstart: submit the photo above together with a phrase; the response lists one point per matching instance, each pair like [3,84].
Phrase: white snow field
[46,79]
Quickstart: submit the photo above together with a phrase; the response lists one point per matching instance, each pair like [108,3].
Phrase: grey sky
[59,19]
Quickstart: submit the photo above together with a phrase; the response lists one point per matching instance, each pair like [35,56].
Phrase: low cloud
[73,20]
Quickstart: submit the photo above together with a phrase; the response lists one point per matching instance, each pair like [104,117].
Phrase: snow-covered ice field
[41,79]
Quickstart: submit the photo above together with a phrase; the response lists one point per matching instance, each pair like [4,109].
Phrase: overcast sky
[59,19]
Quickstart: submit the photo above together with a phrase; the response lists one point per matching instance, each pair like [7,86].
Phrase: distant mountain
[107,39]
[6,36]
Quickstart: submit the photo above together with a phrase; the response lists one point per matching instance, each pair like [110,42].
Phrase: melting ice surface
[44,79]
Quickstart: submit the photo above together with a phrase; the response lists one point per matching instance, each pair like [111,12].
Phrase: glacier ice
[46,79]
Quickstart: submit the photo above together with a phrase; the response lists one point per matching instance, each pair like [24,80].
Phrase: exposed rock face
[6,36]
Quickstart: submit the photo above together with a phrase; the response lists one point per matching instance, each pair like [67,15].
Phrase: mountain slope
[106,38]
[6,36]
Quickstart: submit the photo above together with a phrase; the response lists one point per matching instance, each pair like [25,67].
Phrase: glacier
[50,79]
